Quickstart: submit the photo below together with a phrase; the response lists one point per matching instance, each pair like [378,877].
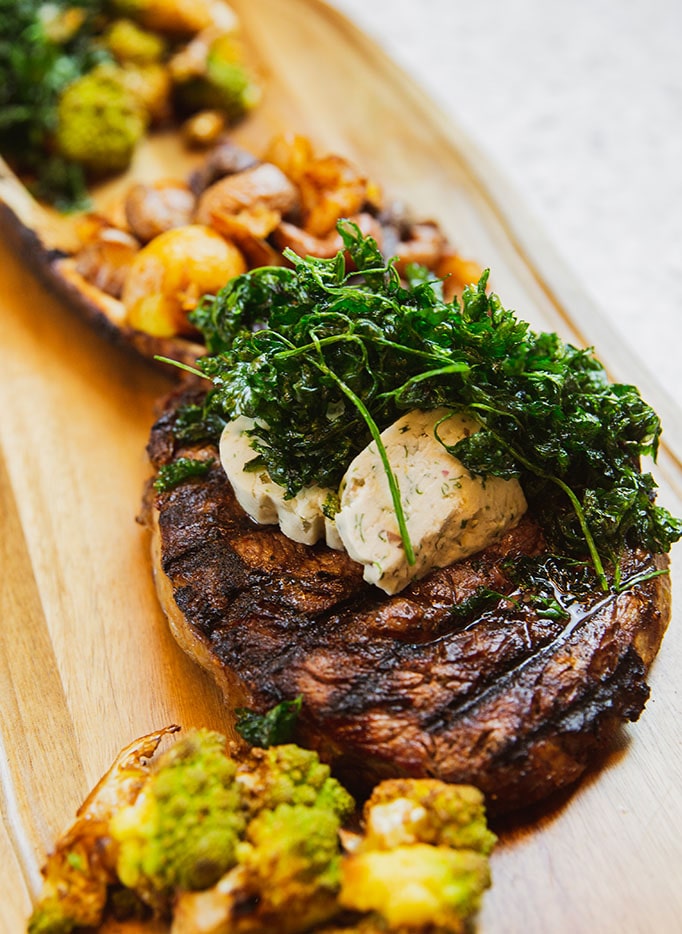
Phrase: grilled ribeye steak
[465,675]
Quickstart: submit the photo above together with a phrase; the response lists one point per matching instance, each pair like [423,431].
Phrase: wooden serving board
[86,662]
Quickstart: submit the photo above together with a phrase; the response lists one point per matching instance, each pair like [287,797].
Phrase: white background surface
[579,105]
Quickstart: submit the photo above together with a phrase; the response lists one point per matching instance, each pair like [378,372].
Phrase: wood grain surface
[86,661]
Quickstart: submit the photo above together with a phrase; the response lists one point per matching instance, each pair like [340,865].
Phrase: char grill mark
[500,696]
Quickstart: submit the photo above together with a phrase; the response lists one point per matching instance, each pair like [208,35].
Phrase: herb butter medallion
[449,513]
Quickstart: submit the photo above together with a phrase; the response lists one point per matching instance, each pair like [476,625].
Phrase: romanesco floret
[288,774]
[100,121]
[230,87]
[221,81]
[288,863]
[423,858]
[50,919]
[404,811]
[74,891]
[293,855]
[183,829]
[418,886]
[79,872]
[286,880]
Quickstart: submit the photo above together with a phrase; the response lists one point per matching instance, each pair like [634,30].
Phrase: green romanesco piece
[288,861]
[230,85]
[288,774]
[223,83]
[422,861]
[75,881]
[182,831]
[404,811]
[292,855]
[419,886]
[100,120]
[49,919]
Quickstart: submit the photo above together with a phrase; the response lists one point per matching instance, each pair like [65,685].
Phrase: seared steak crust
[434,681]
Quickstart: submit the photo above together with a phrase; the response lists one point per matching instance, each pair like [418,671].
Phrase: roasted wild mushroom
[290,236]
[262,192]
[106,256]
[153,209]
[146,263]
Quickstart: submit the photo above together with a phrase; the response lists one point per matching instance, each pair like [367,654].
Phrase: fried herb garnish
[197,422]
[269,729]
[170,475]
[328,353]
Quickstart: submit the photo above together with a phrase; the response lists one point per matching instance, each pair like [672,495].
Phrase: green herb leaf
[269,729]
[170,475]
[195,423]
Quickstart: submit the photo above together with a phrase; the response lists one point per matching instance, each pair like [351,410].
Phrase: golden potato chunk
[170,275]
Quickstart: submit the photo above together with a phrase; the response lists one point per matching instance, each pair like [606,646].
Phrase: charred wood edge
[43,262]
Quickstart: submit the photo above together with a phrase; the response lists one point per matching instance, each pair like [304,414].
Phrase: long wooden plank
[86,662]
[36,731]
[15,898]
